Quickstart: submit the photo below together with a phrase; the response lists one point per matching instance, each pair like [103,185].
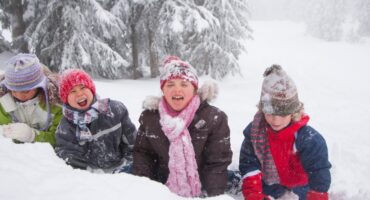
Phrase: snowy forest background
[117,39]
[323,44]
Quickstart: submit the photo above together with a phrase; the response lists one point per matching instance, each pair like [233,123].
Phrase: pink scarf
[183,178]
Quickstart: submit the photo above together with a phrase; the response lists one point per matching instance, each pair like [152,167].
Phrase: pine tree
[4,45]
[197,33]
[81,34]
[227,42]
[119,38]
[12,18]
[362,12]
[180,26]
[325,19]
[130,12]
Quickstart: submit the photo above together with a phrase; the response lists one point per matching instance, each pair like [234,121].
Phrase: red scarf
[287,160]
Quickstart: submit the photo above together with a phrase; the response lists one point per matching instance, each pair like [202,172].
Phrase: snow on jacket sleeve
[217,154]
[144,157]
[248,160]
[128,131]
[42,136]
[67,146]
[314,157]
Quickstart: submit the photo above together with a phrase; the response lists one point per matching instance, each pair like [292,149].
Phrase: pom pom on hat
[174,67]
[71,78]
[279,94]
[24,72]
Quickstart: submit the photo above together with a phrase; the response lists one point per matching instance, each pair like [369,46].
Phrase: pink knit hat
[174,67]
[71,78]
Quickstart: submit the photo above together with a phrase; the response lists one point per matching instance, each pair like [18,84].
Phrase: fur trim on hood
[208,92]
[52,85]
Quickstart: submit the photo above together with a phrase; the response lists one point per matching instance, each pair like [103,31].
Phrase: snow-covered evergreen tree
[325,18]
[330,20]
[210,38]
[12,17]
[228,41]
[335,20]
[116,38]
[148,26]
[108,4]
[362,13]
[4,45]
[4,19]
[130,11]
[182,26]
[81,34]
[162,27]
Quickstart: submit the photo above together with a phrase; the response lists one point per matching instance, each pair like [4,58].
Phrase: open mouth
[82,102]
[177,98]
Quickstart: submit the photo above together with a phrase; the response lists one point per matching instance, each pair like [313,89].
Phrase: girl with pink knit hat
[94,134]
[182,140]
[30,109]
[282,157]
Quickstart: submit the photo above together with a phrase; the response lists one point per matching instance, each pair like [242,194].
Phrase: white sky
[332,81]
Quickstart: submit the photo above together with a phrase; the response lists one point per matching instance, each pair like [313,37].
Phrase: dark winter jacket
[112,143]
[313,153]
[210,136]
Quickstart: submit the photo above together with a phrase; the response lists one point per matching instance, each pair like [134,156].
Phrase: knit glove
[252,188]
[314,195]
[19,131]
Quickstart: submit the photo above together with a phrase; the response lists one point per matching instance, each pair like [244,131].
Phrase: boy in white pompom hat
[281,155]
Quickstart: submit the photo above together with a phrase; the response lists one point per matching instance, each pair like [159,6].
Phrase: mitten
[252,188]
[314,195]
[19,131]
[289,195]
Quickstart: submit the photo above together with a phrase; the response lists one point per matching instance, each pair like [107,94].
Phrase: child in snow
[182,140]
[94,134]
[29,103]
[281,153]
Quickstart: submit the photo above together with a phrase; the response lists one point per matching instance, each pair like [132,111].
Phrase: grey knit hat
[279,94]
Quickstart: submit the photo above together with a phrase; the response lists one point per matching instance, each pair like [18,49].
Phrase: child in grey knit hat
[281,154]
[29,103]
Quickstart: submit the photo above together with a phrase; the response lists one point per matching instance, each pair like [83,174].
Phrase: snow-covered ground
[332,80]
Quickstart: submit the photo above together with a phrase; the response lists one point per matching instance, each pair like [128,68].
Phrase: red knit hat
[71,78]
[174,67]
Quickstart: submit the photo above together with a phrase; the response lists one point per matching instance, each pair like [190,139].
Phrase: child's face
[80,97]
[24,95]
[178,93]
[277,122]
